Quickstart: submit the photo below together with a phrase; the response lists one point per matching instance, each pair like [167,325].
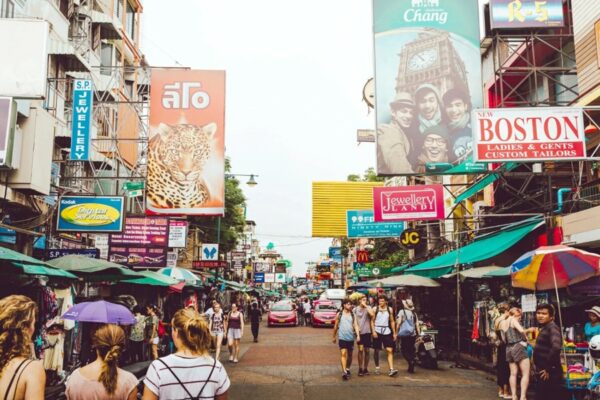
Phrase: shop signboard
[202,264]
[280,268]
[279,278]
[528,134]
[361,224]
[406,203]
[335,253]
[138,256]
[90,214]
[81,124]
[369,271]
[427,80]
[210,252]
[143,231]
[186,107]
[172,259]
[177,233]
[259,277]
[410,239]
[238,255]
[269,278]
[520,14]
[262,267]
[51,254]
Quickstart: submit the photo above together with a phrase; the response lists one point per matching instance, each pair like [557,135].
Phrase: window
[119,8]
[106,63]
[8,9]
[130,21]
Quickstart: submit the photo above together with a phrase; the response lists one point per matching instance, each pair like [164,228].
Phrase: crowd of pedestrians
[375,327]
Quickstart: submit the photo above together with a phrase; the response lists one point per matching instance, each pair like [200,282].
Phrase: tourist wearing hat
[408,328]
[592,328]
[429,105]
[394,140]
[457,117]
[435,147]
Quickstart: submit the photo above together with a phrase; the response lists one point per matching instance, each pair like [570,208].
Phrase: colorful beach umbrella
[101,312]
[180,274]
[553,267]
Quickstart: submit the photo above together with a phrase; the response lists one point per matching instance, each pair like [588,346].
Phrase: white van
[334,295]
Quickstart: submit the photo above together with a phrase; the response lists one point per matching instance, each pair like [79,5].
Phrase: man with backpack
[383,327]
[346,332]
[408,329]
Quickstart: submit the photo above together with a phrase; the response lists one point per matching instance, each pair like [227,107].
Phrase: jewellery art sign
[406,203]
[528,134]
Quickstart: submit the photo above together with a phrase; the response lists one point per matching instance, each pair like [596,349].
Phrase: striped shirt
[192,372]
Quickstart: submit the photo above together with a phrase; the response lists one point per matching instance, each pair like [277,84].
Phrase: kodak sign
[528,134]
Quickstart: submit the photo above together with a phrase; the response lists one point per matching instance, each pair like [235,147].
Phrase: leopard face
[177,155]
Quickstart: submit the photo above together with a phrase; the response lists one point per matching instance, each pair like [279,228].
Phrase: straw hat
[594,310]
[408,305]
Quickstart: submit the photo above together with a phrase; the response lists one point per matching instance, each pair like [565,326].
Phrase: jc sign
[410,238]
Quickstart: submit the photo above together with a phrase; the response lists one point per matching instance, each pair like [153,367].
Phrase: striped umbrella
[553,267]
[181,274]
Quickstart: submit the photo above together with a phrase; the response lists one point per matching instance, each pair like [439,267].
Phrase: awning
[480,250]
[475,273]
[502,272]
[73,60]
[480,185]
[399,269]
[152,278]
[468,166]
[109,29]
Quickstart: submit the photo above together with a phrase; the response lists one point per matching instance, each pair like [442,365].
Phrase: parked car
[282,314]
[324,313]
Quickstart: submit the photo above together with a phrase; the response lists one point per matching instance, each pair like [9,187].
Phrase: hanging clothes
[65,298]
[475,331]
[54,353]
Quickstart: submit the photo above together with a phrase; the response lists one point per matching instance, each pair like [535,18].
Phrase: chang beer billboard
[427,80]
[90,214]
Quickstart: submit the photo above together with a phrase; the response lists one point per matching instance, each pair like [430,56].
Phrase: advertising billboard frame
[65,226]
[188,104]
[389,201]
[526,14]
[427,57]
[503,124]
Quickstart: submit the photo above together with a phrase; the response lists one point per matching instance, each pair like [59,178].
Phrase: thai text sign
[144,231]
[427,81]
[81,124]
[518,14]
[361,224]
[528,134]
[90,214]
[406,203]
[186,148]
[177,233]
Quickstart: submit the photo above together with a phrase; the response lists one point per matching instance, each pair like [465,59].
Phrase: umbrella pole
[558,306]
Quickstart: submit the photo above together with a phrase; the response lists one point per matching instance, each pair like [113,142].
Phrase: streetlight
[251,181]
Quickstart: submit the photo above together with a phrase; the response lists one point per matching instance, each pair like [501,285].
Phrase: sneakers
[366,372]
[393,372]
[360,372]
[345,376]
[377,371]
[348,372]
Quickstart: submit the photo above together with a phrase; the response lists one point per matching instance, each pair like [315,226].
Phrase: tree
[232,224]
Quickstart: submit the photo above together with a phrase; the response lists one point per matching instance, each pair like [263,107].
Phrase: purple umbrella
[100,311]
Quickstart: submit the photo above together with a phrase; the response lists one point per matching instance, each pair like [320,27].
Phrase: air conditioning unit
[479,209]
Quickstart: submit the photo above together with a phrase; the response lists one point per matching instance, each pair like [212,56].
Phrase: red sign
[362,256]
[528,134]
[199,264]
[407,203]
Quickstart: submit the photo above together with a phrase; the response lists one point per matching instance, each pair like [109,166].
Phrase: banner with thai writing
[186,148]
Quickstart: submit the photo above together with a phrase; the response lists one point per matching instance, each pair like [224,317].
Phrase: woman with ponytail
[103,379]
[20,376]
[190,373]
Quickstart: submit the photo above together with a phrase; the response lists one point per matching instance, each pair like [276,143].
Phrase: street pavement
[301,363]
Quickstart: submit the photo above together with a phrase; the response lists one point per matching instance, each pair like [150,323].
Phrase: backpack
[390,319]
[338,317]
[407,328]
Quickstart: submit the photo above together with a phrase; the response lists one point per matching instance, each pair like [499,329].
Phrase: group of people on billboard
[427,127]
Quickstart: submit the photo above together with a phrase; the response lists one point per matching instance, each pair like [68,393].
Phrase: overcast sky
[295,73]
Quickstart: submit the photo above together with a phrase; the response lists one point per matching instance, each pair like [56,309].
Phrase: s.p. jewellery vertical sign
[83,100]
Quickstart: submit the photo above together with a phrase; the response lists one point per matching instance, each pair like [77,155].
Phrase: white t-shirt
[209,313]
[192,372]
[306,307]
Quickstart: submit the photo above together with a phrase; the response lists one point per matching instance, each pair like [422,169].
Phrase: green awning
[152,278]
[94,269]
[502,272]
[467,167]
[480,185]
[401,268]
[480,250]
[37,269]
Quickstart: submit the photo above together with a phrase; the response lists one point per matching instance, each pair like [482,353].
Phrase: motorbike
[427,355]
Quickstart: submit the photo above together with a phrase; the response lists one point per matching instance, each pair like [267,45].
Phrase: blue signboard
[51,254]
[90,214]
[81,124]
[335,253]
[259,277]
[361,224]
